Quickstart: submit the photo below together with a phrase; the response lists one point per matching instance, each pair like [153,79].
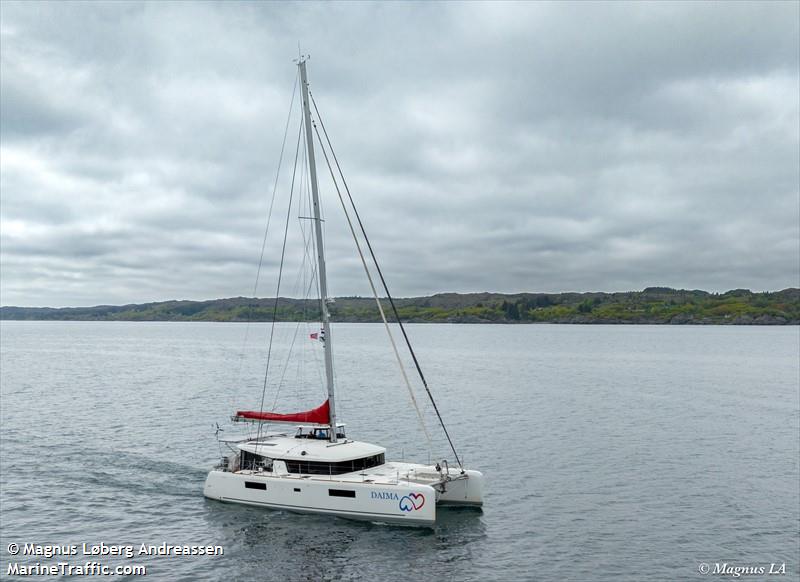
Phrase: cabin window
[252,462]
[321,468]
[341,493]
[254,485]
[319,433]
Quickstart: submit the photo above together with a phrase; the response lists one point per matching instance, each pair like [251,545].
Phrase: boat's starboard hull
[403,504]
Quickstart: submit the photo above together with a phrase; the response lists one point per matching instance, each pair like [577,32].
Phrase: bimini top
[320,415]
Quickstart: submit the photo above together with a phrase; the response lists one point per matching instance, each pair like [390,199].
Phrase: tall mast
[323,282]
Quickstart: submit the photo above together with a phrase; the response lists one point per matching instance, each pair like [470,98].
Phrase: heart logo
[413,501]
[418,499]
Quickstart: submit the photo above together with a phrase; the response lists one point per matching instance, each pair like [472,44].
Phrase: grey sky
[500,147]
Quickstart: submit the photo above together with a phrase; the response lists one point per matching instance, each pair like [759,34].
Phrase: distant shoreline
[653,306]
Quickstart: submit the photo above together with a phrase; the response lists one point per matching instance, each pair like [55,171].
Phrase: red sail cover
[320,415]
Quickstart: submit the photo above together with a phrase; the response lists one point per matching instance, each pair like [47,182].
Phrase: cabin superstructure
[308,454]
[347,478]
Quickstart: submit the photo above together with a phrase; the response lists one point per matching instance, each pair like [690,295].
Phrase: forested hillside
[654,305]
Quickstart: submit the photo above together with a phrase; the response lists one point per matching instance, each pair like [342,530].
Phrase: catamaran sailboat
[315,467]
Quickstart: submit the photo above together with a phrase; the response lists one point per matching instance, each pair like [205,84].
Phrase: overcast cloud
[490,147]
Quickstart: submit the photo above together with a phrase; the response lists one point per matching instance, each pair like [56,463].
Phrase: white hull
[368,497]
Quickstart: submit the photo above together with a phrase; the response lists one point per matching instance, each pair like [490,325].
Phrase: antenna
[301,58]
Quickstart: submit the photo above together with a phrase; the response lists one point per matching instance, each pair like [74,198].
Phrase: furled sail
[319,415]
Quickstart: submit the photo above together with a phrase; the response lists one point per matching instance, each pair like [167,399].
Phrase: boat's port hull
[404,503]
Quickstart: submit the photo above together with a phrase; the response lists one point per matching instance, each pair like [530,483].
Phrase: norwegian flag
[314,335]
[318,335]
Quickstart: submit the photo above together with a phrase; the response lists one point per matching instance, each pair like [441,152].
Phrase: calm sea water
[611,452]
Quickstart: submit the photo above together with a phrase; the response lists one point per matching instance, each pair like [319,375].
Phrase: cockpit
[319,432]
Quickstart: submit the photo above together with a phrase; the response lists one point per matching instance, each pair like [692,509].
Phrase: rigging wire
[374,291]
[266,228]
[291,347]
[309,238]
[383,282]
[300,287]
[318,364]
[280,276]
[274,189]
[301,280]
